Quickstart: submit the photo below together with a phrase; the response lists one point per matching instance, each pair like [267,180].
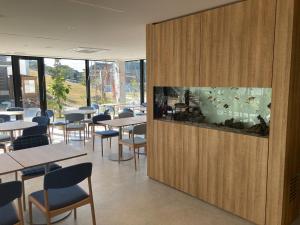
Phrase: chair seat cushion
[4,137]
[107,133]
[39,170]
[58,123]
[60,198]
[75,126]
[137,140]
[8,215]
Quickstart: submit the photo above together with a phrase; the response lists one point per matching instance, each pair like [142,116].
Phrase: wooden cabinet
[229,46]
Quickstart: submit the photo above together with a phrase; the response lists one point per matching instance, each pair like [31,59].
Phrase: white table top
[12,113]
[8,164]
[80,111]
[16,125]
[45,154]
[125,121]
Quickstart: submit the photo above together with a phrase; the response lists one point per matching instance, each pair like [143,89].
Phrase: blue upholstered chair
[4,137]
[8,214]
[136,141]
[127,114]
[24,142]
[36,130]
[103,134]
[61,192]
[41,120]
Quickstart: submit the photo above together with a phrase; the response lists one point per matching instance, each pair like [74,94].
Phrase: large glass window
[6,83]
[65,84]
[105,82]
[132,82]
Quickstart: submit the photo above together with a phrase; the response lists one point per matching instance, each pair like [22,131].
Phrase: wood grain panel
[233,172]
[292,159]
[279,112]
[237,44]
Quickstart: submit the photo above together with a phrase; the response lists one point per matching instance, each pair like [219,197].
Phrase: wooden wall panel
[176,52]
[279,113]
[237,44]
[233,172]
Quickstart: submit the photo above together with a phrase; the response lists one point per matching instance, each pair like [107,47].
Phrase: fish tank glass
[237,109]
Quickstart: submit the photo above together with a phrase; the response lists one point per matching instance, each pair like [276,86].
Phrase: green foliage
[59,91]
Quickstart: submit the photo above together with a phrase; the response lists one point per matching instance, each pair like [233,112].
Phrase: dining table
[39,156]
[80,111]
[12,113]
[17,125]
[120,124]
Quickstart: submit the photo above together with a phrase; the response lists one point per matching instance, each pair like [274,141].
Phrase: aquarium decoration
[238,109]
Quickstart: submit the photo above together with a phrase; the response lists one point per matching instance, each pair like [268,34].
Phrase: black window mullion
[17,80]
[42,85]
[88,83]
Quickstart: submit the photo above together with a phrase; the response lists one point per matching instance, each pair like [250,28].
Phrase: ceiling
[53,28]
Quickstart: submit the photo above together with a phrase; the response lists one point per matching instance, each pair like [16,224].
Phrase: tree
[59,91]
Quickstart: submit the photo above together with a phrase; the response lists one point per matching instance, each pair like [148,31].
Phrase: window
[65,84]
[132,82]
[104,82]
[6,83]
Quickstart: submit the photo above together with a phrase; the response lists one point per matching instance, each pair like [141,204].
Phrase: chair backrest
[4,118]
[140,129]
[128,110]
[101,117]
[15,109]
[41,120]
[86,108]
[36,130]
[9,192]
[106,112]
[125,115]
[95,106]
[110,109]
[68,176]
[30,142]
[74,117]
[49,113]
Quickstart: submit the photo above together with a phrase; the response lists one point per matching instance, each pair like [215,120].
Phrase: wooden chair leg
[102,146]
[20,211]
[84,138]
[134,158]
[30,212]
[93,137]
[23,194]
[138,153]
[75,214]
[110,142]
[93,213]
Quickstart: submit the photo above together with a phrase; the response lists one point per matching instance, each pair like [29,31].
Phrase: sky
[78,65]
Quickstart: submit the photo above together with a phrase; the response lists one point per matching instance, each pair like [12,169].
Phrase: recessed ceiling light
[88,50]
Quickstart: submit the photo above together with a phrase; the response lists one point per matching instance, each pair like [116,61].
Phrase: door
[29,81]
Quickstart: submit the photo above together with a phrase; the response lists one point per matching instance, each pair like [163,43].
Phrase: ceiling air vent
[88,50]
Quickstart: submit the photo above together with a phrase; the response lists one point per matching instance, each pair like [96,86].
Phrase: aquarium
[237,109]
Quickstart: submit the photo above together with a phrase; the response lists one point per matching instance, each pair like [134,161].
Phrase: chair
[8,214]
[74,123]
[128,110]
[103,134]
[43,121]
[50,114]
[24,142]
[136,142]
[127,115]
[95,107]
[15,109]
[61,192]
[4,137]
[87,121]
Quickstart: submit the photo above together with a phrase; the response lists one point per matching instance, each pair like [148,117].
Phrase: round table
[12,113]
[16,126]
[81,111]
